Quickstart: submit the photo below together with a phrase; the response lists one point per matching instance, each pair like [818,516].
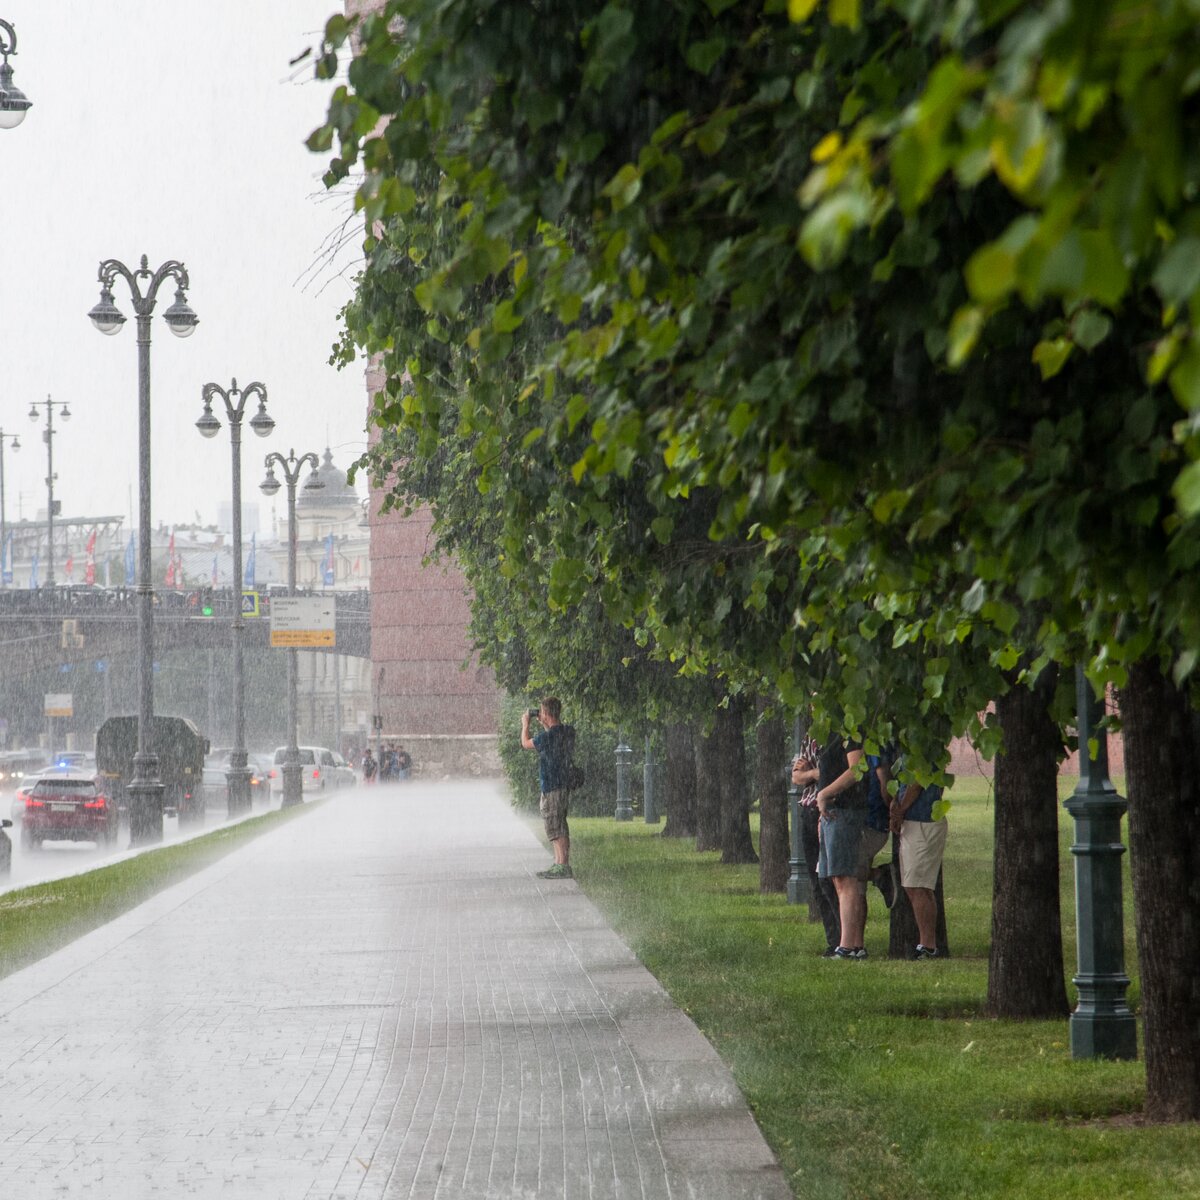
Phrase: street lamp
[13,104]
[238,775]
[146,789]
[5,574]
[48,437]
[291,467]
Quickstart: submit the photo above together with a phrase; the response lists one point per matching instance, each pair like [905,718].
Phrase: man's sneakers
[926,951]
[884,878]
[858,953]
[558,871]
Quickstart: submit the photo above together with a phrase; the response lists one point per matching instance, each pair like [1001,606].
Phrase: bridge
[55,626]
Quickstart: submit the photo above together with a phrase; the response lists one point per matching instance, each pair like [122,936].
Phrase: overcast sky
[173,129]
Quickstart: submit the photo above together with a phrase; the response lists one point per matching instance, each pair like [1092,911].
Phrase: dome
[337,492]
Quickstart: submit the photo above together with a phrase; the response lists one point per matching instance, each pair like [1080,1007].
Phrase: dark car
[214,790]
[65,806]
[5,848]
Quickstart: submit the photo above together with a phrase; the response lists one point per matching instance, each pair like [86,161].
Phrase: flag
[214,573]
[328,564]
[33,578]
[89,575]
[6,560]
[169,579]
[358,566]
[70,567]
[248,579]
[130,555]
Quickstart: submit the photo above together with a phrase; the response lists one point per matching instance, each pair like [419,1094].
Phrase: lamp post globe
[14,104]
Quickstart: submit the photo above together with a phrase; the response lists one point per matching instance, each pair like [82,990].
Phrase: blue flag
[6,563]
[248,581]
[328,564]
[33,579]
[129,557]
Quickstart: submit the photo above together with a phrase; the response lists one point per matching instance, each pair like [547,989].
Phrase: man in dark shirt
[554,745]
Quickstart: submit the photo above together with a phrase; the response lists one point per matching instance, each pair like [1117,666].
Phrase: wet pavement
[379,999]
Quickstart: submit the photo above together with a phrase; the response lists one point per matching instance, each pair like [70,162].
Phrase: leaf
[1051,355]
[827,147]
[703,56]
[965,328]
[844,12]
[1178,273]
[991,273]
[801,10]
[1089,328]
[1185,378]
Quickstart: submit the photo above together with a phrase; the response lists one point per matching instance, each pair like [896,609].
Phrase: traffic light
[206,602]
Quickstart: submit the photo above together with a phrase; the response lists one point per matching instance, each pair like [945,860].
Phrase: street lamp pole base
[293,789]
[145,802]
[238,779]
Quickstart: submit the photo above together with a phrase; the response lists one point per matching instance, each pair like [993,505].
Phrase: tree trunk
[681,783]
[708,792]
[1161,741]
[1025,968]
[771,778]
[737,846]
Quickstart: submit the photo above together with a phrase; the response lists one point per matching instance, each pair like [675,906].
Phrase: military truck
[180,747]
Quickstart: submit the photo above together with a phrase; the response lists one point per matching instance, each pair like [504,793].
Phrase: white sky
[174,129]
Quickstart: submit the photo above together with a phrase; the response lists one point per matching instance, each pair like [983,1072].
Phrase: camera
[534,713]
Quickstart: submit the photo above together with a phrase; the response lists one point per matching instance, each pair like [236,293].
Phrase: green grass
[883,1079]
[36,921]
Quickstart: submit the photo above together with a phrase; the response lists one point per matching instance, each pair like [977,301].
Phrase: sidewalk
[378,1000]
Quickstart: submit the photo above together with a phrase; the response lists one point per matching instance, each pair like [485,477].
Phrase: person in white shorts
[922,845]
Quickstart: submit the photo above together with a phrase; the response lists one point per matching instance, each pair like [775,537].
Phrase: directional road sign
[303,621]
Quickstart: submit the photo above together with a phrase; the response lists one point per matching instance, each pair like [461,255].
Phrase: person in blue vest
[555,745]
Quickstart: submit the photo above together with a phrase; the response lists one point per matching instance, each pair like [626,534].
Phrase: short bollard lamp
[13,102]
[1101,1025]
[799,886]
[624,800]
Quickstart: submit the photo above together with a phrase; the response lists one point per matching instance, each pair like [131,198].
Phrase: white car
[338,772]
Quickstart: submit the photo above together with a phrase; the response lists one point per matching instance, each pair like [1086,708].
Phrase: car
[260,772]
[214,789]
[67,805]
[16,765]
[312,769]
[5,848]
[338,772]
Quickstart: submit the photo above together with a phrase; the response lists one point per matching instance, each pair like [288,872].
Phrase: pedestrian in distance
[369,766]
[555,746]
[804,776]
[842,803]
[918,816]
[403,764]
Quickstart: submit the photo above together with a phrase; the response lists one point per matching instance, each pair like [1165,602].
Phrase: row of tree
[831,351]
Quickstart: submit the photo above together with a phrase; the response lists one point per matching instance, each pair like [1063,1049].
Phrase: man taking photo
[555,744]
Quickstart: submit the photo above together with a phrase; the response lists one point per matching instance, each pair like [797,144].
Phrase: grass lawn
[878,1078]
[36,921]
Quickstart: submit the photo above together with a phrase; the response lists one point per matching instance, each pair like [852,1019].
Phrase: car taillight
[30,802]
[98,802]
[187,795]
[316,772]
[271,773]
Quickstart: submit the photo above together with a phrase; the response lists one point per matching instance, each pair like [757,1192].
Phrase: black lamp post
[238,775]
[293,792]
[146,789]
[1101,1025]
[13,104]
[48,437]
[16,445]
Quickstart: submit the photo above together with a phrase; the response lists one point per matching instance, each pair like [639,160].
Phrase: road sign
[60,704]
[303,621]
[250,607]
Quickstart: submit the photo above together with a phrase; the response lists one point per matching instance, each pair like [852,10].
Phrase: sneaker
[926,951]
[884,878]
[846,952]
[558,871]
[829,952]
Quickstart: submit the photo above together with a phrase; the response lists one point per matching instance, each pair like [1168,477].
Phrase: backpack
[575,776]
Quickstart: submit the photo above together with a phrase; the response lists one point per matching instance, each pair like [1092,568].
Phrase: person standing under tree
[555,744]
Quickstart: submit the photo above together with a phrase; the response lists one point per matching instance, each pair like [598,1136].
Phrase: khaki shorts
[553,806]
[873,841]
[922,844]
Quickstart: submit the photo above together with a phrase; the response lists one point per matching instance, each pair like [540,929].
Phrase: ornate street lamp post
[624,811]
[238,775]
[48,437]
[291,468]
[6,576]
[799,889]
[13,104]
[146,789]
[1102,1026]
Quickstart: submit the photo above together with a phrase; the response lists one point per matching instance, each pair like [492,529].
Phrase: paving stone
[377,1000]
